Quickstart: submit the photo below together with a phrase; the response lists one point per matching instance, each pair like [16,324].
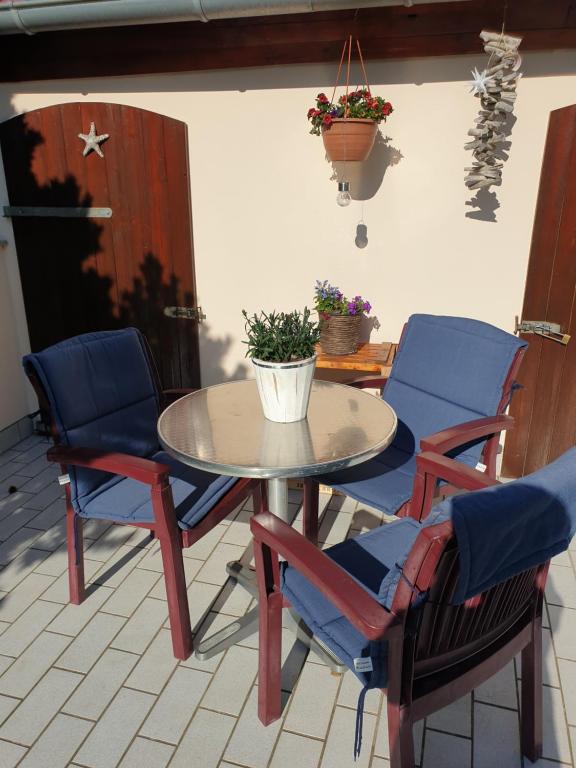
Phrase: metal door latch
[187,313]
[542,328]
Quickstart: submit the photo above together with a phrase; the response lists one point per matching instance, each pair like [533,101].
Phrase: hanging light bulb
[343,197]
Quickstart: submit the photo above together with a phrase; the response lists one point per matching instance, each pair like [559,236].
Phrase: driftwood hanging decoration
[496,88]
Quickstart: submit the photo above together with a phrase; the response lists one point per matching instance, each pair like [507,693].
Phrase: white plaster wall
[266,224]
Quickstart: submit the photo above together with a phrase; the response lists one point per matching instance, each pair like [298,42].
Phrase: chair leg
[310,510]
[269,659]
[400,737]
[169,536]
[531,736]
[75,546]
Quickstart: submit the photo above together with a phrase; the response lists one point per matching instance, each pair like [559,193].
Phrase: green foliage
[280,337]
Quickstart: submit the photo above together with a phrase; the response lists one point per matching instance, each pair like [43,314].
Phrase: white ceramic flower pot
[284,388]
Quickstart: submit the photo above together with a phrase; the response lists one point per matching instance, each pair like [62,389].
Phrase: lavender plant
[280,337]
[329,300]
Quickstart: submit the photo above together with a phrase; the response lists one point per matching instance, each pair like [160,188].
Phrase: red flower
[322,98]
[327,120]
[311,111]
[386,108]
[342,99]
[316,113]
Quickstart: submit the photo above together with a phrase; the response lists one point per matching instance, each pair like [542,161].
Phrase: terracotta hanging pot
[349,139]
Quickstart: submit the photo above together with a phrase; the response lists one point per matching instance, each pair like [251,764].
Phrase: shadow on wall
[213,351]
[366,178]
[70,273]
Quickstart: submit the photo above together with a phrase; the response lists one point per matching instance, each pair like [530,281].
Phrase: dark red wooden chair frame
[165,527]
[438,652]
[442,442]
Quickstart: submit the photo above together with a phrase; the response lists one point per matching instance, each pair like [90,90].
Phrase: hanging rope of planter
[349,126]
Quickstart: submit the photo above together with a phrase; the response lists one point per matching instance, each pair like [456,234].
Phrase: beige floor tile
[232,682]
[56,563]
[334,527]
[7,706]
[20,541]
[191,568]
[205,739]
[239,530]
[202,549]
[27,721]
[155,665]
[91,642]
[563,622]
[312,701]
[101,684]
[10,754]
[13,501]
[58,743]
[15,520]
[339,749]
[19,568]
[350,690]
[144,753]
[21,597]
[234,600]
[379,762]
[561,587]
[568,678]
[115,730]
[500,689]
[457,717]
[176,705]
[53,538]
[381,745]
[296,750]
[556,741]
[131,592]
[122,562]
[27,627]
[73,618]
[200,598]
[496,737]
[46,496]
[141,628]
[214,569]
[49,516]
[59,591]
[108,543]
[441,749]
[25,672]
[252,743]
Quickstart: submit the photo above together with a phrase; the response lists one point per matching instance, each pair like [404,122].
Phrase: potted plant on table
[340,319]
[349,127]
[281,346]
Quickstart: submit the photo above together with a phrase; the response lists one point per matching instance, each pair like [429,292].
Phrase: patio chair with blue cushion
[426,610]
[451,381]
[103,399]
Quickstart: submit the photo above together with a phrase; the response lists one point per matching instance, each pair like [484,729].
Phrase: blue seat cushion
[128,501]
[375,560]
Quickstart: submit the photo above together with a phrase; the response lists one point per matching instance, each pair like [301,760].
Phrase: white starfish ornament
[93,141]
[479,81]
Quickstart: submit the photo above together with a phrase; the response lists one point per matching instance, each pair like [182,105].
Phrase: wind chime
[496,87]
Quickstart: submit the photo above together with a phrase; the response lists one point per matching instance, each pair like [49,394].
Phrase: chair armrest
[372,382]
[452,471]
[365,613]
[447,439]
[144,470]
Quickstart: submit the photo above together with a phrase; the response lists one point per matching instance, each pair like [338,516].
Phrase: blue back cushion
[507,529]
[448,370]
[103,396]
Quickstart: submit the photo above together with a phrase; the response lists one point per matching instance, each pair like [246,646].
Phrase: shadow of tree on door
[69,285]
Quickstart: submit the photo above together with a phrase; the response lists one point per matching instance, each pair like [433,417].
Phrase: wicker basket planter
[349,139]
[340,334]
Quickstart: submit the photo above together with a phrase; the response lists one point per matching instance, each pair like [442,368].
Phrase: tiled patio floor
[96,685]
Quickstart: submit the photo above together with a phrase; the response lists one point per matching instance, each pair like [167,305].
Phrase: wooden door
[545,409]
[82,273]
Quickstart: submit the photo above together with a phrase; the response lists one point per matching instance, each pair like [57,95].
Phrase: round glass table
[222,429]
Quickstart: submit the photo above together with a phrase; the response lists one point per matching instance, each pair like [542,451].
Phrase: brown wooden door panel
[88,274]
[545,410]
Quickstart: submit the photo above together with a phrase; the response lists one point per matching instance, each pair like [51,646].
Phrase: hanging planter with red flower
[349,126]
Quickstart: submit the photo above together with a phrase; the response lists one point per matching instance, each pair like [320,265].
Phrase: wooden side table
[370,358]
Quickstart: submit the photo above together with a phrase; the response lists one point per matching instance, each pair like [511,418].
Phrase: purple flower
[367,306]
[352,307]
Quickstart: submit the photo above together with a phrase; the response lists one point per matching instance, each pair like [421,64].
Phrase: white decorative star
[93,141]
[479,81]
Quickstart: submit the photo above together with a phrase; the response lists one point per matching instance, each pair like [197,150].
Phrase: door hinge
[542,328]
[186,313]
